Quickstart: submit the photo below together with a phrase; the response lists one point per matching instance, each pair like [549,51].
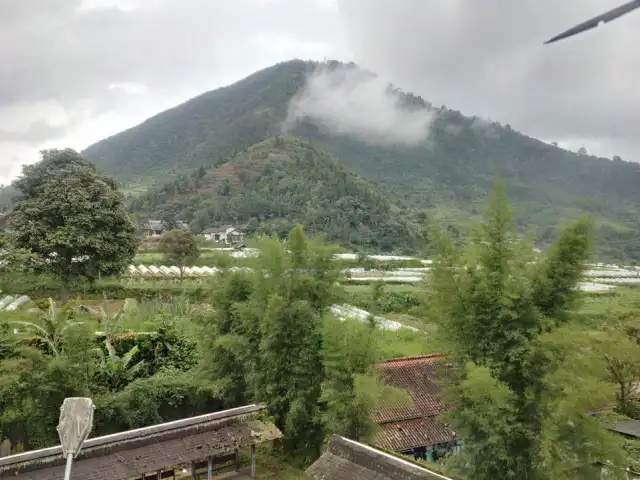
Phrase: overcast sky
[76,71]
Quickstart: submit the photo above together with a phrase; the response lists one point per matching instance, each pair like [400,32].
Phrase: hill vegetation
[272,186]
[445,177]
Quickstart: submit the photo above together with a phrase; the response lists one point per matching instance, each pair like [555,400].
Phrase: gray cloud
[484,58]
[60,51]
[488,58]
[35,133]
[347,101]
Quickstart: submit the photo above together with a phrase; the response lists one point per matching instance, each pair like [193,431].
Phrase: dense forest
[276,184]
[447,177]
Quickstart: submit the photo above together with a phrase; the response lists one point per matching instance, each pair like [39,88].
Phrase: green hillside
[272,186]
[446,178]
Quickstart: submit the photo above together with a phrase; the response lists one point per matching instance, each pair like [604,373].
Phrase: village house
[227,234]
[156,228]
[416,429]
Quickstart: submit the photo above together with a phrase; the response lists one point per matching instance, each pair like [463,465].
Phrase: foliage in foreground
[520,413]
[268,344]
[269,340]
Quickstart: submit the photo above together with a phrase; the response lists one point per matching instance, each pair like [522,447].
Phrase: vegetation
[531,357]
[269,188]
[445,179]
[501,315]
[72,219]
[180,249]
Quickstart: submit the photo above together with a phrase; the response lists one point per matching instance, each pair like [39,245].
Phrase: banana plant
[116,371]
[51,327]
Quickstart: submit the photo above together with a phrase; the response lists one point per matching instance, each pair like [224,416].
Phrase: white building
[226,234]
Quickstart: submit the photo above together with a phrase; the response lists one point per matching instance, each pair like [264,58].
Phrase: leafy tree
[32,389]
[265,342]
[230,356]
[291,371]
[351,390]
[72,218]
[169,217]
[18,260]
[180,249]
[498,311]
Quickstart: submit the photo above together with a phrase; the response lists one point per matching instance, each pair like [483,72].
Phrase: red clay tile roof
[405,427]
[419,376]
[408,434]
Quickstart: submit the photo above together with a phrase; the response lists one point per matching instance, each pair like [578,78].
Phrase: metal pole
[67,470]
[253,461]
[193,471]
[210,468]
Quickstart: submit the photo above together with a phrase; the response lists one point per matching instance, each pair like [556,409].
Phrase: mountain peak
[429,162]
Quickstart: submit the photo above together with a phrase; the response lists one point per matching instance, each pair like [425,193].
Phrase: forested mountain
[276,184]
[446,177]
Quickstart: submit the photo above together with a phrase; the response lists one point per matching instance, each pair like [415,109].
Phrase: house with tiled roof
[156,228]
[416,429]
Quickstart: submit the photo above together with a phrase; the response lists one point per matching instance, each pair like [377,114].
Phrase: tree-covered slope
[278,183]
[446,177]
[205,129]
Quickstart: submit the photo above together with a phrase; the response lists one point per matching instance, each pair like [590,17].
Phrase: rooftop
[630,428]
[404,427]
[346,459]
[221,229]
[406,435]
[421,377]
[145,450]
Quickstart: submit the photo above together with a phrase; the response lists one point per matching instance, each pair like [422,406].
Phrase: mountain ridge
[446,177]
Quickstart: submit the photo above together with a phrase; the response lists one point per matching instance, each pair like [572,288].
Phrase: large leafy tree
[74,219]
[180,248]
[500,312]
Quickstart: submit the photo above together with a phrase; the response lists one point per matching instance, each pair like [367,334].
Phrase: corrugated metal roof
[349,460]
[408,434]
[420,376]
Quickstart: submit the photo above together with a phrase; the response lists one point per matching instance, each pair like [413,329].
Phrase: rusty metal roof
[346,459]
[133,453]
[420,376]
[408,434]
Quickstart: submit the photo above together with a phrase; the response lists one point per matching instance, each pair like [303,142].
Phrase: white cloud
[348,101]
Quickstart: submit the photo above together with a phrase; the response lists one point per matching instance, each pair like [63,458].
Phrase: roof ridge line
[415,417]
[415,357]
